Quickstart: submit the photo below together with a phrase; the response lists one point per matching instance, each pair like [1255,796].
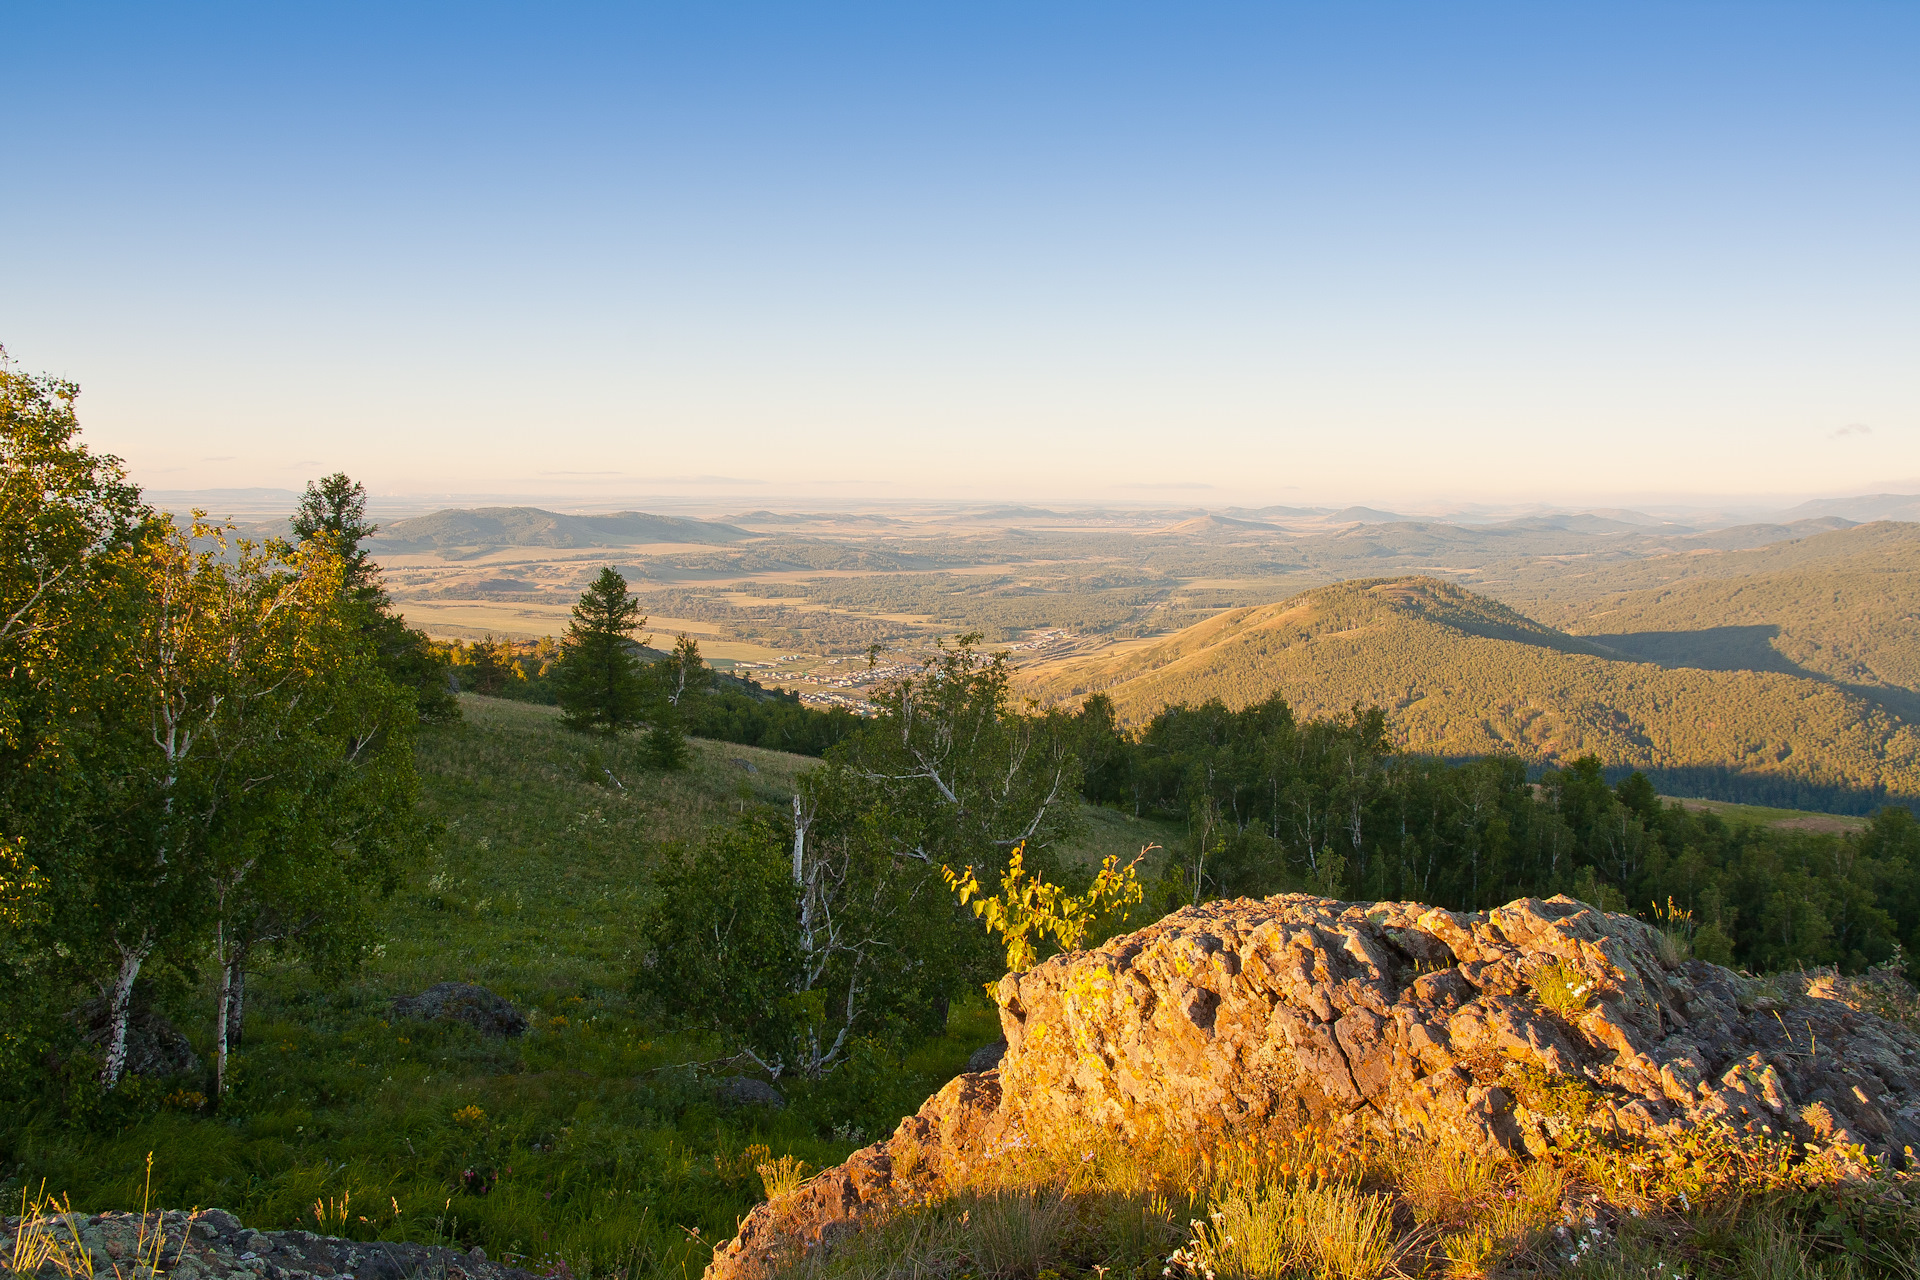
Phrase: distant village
[819,684]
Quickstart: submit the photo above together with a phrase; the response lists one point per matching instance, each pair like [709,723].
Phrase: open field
[1783,819]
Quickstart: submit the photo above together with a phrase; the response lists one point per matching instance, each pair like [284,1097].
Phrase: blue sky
[1281,253]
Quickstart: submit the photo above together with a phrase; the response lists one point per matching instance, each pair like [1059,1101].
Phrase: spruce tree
[598,679]
[678,675]
[333,514]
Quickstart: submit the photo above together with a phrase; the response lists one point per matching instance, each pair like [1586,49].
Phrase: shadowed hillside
[1858,628]
[1461,675]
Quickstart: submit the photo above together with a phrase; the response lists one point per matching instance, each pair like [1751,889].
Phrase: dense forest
[1328,805]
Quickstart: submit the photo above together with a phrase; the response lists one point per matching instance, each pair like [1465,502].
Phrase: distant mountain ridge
[534,527]
[1863,508]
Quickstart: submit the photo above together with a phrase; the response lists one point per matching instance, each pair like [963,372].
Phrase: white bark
[237,1003]
[801,821]
[226,1010]
[119,1007]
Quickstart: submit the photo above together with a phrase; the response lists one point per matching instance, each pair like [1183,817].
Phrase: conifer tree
[333,514]
[677,676]
[598,680]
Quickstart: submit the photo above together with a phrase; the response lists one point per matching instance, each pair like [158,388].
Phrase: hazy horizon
[1378,254]
[263,501]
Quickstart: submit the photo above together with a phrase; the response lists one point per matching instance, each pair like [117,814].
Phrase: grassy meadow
[591,1139]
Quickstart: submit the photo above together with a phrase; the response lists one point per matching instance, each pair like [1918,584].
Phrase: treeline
[1328,805]
[714,704]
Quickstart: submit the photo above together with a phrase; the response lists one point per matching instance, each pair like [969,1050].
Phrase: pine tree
[598,679]
[333,514]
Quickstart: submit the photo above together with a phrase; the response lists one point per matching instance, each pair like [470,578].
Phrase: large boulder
[155,1046]
[1239,1014]
[479,1008]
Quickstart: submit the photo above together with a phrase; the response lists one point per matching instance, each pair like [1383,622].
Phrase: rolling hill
[1460,674]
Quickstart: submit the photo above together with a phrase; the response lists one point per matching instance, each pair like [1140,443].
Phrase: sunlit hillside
[1462,675]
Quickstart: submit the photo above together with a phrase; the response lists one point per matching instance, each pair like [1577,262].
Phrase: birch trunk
[222,1024]
[119,1009]
[237,1007]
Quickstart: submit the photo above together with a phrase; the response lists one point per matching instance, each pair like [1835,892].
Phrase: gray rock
[214,1244]
[154,1047]
[219,1222]
[745,1091]
[986,1057]
[479,1008]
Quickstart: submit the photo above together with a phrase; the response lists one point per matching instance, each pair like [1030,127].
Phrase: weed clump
[1562,989]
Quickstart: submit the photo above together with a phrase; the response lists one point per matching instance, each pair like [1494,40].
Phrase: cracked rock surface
[1242,1013]
[213,1245]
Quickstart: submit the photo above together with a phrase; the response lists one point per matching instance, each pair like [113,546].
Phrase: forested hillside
[1460,675]
[1852,619]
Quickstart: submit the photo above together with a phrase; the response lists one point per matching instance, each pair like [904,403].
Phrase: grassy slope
[1462,675]
[1764,816]
[533,894]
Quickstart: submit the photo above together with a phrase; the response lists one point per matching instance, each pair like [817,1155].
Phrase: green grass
[591,1142]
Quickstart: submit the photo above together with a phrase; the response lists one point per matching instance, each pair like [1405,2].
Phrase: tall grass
[1351,1202]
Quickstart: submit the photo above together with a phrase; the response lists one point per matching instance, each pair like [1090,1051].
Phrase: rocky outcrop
[213,1245]
[1239,1014]
[479,1008]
